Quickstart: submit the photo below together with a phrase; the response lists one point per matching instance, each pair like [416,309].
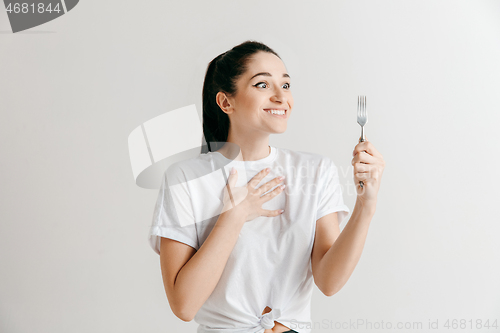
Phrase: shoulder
[300,155]
[188,169]
[302,158]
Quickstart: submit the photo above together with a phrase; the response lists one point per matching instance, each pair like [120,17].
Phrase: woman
[233,276]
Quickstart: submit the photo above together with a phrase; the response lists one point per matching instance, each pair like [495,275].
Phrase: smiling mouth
[281,113]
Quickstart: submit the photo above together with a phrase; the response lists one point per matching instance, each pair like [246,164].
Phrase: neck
[246,150]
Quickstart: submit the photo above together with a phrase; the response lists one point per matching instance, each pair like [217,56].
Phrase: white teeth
[281,112]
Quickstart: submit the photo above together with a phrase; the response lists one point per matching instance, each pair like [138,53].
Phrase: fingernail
[282,210]
[281,178]
[267,169]
[233,171]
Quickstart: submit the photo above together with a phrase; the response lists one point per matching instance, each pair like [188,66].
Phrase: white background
[74,255]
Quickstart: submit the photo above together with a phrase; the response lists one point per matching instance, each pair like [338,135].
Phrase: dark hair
[221,75]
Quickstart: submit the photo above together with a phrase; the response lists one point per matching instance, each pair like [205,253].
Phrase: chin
[279,130]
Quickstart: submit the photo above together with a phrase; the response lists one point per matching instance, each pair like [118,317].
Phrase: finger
[368,147]
[270,184]
[233,177]
[362,167]
[274,192]
[361,176]
[258,177]
[272,213]
[364,158]
[231,182]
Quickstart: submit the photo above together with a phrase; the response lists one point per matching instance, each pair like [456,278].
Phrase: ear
[224,102]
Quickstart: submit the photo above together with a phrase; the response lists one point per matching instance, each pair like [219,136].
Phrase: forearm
[199,276]
[338,263]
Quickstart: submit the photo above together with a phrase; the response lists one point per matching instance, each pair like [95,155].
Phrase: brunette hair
[221,75]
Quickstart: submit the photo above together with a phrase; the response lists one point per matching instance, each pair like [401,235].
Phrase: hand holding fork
[362,120]
[369,164]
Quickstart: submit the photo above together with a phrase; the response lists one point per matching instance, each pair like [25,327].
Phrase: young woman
[231,259]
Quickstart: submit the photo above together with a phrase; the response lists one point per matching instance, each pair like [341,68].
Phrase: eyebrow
[267,74]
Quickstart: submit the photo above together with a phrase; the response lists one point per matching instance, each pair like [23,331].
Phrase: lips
[277,115]
[286,111]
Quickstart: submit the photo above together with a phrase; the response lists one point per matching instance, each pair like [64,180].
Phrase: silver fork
[362,120]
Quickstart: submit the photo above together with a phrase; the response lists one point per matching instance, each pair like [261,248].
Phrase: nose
[279,96]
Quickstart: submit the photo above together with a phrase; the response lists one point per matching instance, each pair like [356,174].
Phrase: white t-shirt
[270,264]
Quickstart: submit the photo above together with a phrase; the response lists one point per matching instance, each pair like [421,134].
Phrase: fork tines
[362,118]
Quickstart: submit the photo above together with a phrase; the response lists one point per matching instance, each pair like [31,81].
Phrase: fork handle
[362,139]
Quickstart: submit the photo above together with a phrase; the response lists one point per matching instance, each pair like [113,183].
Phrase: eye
[264,83]
[258,84]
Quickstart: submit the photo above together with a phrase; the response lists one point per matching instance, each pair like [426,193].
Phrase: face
[264,87]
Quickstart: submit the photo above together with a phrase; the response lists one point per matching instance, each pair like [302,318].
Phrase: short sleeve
[330,199]
[173,215]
